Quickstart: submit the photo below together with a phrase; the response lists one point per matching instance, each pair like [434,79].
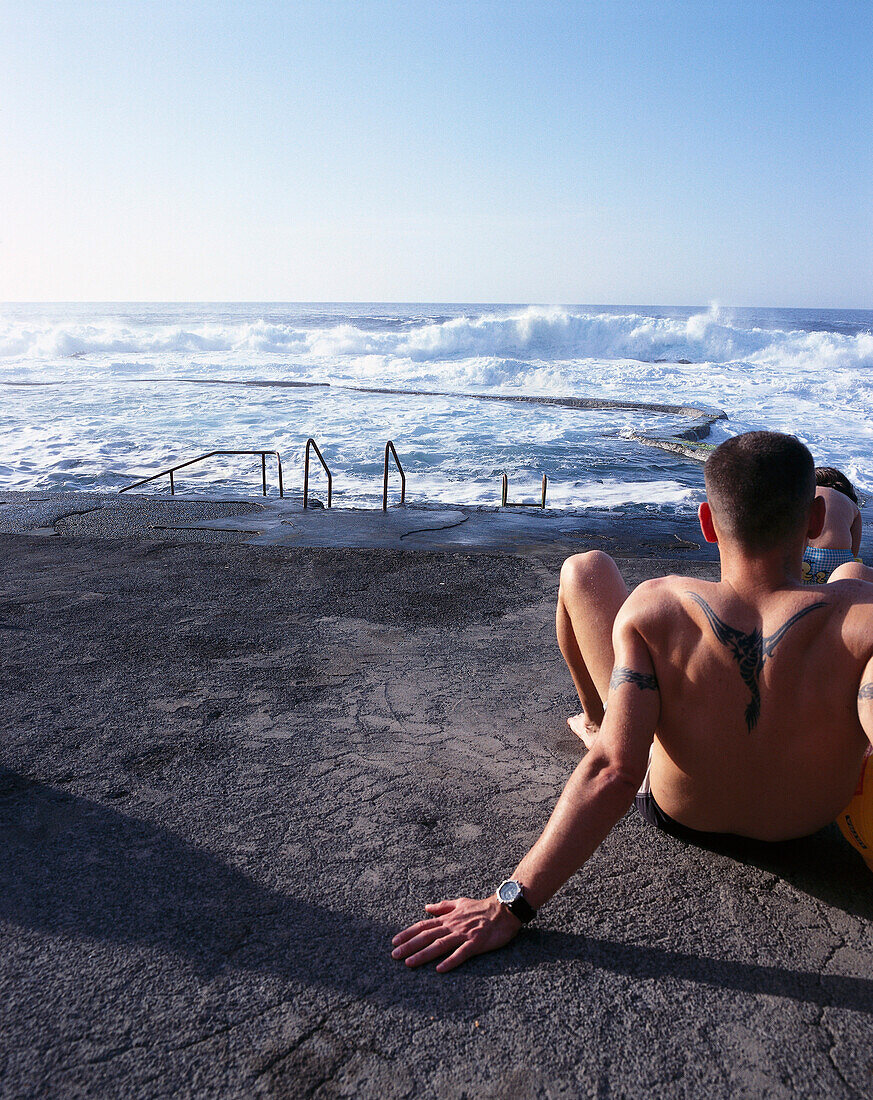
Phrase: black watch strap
[519,906]
[522,909]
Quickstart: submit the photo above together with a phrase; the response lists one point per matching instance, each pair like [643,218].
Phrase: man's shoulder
[849,606]
[660,598]
[667,588]
[854,597]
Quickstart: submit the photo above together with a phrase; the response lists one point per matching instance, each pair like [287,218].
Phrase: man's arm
[865,701]
[598,793]
[855,531]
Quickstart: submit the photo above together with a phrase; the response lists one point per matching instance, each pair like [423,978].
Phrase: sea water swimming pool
[96,396]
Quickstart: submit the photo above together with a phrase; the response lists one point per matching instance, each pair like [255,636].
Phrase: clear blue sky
[610,151]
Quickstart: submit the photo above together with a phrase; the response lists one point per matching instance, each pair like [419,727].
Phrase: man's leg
[851,571]
[591,592]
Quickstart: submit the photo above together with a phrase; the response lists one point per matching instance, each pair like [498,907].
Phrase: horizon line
[409,302]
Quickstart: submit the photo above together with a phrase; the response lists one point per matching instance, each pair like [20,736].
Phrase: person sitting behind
[840,539]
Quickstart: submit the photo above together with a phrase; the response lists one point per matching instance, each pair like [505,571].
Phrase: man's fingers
[439,947]
[438,908]
[458,956]
[414,930]
[425,937]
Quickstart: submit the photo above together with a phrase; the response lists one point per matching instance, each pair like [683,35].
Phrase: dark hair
[831,478]
[760,487]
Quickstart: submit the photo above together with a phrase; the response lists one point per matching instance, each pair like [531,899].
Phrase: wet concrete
[231,772]
[271,521]
[284,522]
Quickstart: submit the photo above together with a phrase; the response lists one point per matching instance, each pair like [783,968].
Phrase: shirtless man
[746,704]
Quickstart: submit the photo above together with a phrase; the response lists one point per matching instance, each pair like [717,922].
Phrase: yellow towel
[856,821]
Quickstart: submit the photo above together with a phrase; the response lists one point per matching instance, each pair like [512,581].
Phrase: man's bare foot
[586,731]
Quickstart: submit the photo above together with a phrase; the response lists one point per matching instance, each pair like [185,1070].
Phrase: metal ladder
[211,454]
[311,445]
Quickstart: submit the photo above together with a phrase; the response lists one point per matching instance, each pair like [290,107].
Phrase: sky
[598,151]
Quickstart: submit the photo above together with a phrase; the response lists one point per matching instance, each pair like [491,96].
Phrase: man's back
[842,529]
[758,731]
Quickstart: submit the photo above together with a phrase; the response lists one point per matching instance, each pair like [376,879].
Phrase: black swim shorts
[649,809]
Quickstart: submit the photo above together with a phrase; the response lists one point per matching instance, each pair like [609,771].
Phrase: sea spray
[108,406]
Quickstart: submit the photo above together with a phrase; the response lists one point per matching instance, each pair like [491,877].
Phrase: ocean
[95,396]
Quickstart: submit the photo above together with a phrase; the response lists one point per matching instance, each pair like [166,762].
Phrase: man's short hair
[829,477]
[760,487]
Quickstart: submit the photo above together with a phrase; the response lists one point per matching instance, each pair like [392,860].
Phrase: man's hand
[460,929]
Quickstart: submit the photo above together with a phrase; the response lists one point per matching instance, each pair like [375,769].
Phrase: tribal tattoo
[866,691]
[749,650]
[642,680]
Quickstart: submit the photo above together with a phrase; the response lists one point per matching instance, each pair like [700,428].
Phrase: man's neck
[758,573]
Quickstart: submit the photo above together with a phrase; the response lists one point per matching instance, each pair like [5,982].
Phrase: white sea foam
[98,423]
[530,334]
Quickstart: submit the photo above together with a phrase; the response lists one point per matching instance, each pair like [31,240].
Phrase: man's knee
[852,571]
[585,571]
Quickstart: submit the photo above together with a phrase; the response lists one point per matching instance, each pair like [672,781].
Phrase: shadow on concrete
[647,963]
[74,867]
[823,865]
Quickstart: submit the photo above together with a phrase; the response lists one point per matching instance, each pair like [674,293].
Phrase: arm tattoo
[749,650]
[642,680]
[865,691]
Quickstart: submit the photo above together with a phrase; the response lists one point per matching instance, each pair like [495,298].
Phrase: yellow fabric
[856,821]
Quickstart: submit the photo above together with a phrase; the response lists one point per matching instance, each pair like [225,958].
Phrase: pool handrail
[389,446]
[211,454]
[504,494]
[310,443]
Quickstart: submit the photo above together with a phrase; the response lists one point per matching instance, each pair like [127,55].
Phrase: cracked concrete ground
[230,773]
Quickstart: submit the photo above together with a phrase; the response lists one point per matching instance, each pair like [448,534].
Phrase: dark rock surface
[230,773]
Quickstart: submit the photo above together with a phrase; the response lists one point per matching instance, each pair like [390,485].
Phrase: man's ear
[704,514]
[816,518]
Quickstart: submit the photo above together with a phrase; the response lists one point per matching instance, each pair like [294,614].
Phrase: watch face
[508,891]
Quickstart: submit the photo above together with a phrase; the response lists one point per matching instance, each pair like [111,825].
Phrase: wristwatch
[511,894]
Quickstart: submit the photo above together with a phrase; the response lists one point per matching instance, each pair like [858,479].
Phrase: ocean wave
[535,334]
[64,341]
[555,334]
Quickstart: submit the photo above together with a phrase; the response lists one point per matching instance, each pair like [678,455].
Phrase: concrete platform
[231,772]
[285,523]
[271,521]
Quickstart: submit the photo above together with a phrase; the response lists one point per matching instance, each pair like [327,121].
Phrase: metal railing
[310,443]
[389,446]
[211,454]
[505,503]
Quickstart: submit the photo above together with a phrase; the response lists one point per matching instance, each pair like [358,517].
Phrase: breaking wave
[522,337]
[95,395]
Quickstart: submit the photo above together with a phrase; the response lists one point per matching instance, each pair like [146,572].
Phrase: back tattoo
[750,650]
